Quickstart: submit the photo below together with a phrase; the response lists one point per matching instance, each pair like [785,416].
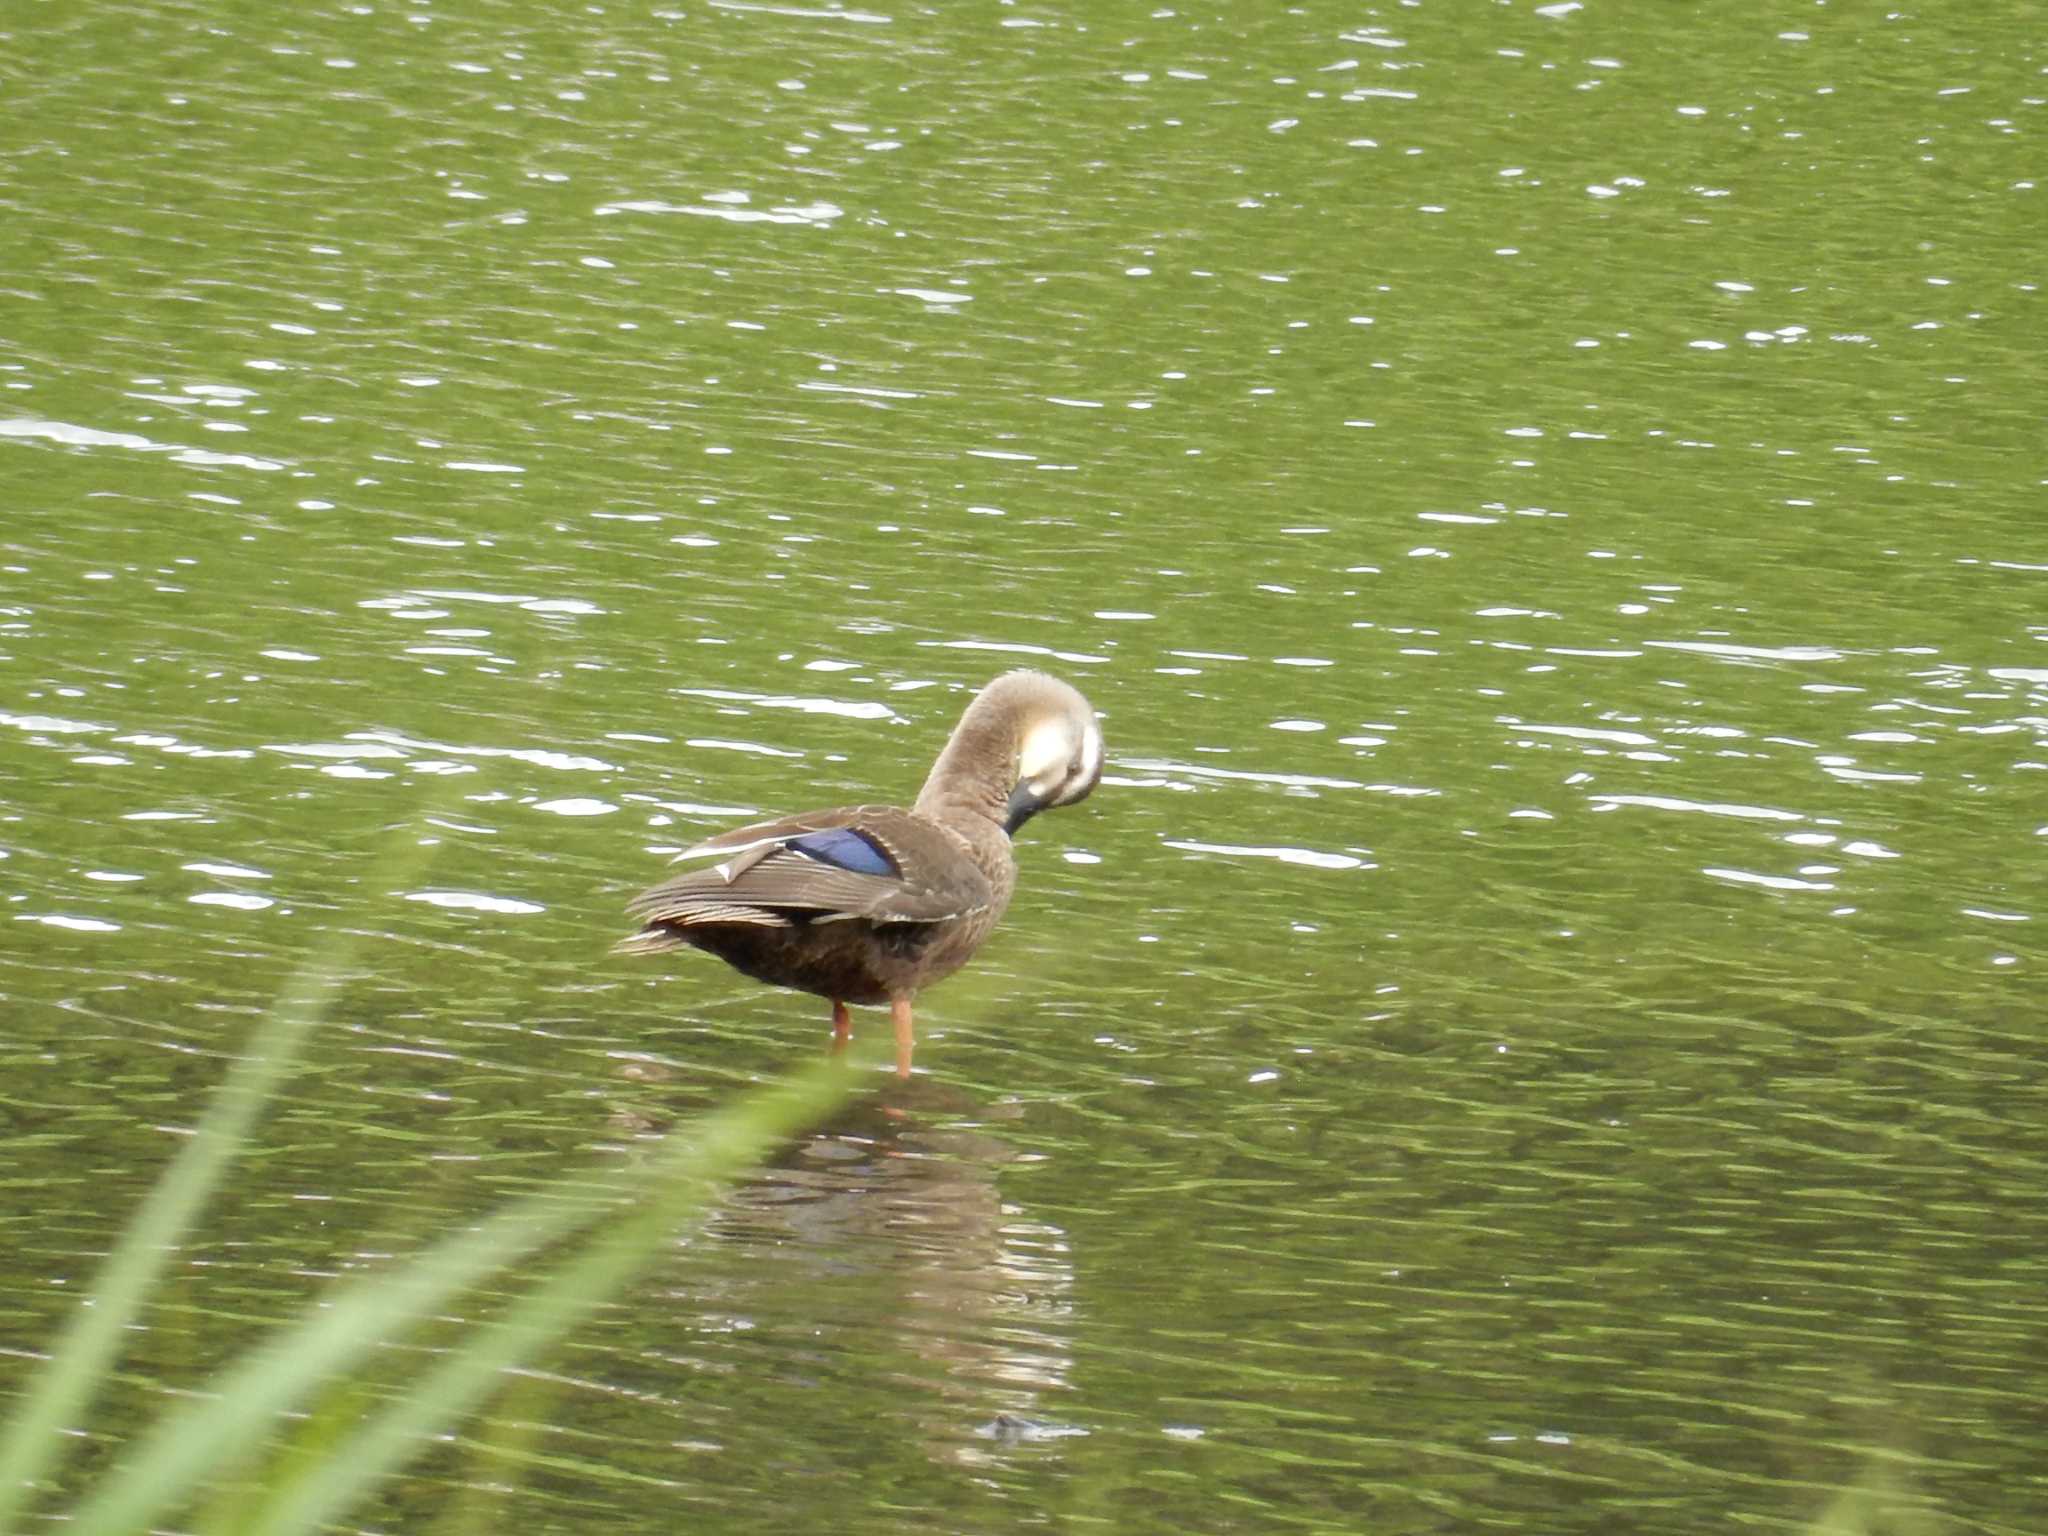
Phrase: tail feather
[649,941]
[667,930]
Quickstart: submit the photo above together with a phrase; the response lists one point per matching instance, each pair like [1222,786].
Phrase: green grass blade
[241,1405]
[243,1402]
[679,1183]
[77,1367]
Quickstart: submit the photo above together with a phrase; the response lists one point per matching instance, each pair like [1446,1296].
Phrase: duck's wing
[878,862]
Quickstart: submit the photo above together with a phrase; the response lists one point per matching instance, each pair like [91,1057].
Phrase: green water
[1538,1030]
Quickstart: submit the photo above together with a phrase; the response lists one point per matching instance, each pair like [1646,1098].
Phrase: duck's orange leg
[906,1037]
[842,1026]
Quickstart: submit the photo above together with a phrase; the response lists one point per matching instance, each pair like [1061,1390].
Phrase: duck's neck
[971,779]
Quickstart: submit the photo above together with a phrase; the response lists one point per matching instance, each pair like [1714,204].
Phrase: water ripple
[1312,857]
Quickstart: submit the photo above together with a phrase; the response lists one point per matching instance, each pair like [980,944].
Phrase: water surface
[1536,1029]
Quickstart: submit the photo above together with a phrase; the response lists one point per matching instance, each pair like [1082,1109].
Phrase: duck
[869,904]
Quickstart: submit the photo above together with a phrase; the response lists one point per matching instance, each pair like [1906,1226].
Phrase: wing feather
[763,880]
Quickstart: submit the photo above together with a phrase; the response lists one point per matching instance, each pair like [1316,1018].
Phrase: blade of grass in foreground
[241,1405]
[680,1182]
[33,1437]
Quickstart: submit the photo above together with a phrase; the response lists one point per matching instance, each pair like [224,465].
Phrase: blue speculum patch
[845,848]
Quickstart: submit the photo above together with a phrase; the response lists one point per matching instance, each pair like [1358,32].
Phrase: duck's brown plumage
[869,903]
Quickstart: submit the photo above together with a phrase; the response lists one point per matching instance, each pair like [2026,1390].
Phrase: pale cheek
[1043,760]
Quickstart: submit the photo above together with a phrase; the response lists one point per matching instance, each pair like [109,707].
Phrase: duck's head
[1059,750]
[1027,743]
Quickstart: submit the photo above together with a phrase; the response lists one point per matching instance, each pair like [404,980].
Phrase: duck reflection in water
[870,903]
[890,1222]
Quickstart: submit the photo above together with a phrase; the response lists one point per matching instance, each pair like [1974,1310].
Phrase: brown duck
[868,903]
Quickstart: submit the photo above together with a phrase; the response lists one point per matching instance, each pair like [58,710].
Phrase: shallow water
[1538,1027]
